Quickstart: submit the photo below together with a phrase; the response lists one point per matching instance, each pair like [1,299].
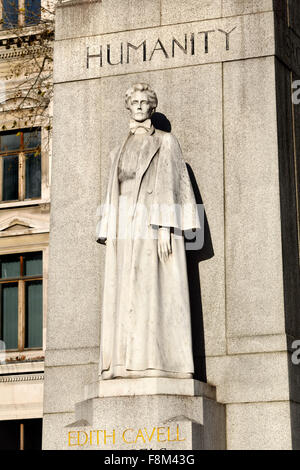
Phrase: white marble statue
[146,325]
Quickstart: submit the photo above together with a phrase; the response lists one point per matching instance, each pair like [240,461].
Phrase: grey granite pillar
[223,71]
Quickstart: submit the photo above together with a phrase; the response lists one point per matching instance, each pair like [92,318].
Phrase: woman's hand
[164,243]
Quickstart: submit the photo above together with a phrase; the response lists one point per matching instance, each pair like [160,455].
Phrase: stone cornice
[14,53]
[21,378]
[13,46]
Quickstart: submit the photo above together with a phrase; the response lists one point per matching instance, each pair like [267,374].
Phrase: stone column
[223,72]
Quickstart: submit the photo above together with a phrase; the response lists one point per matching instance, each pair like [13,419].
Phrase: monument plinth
[148,386]
[149,414]
[223,72]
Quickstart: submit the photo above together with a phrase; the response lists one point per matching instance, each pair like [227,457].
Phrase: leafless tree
[27,40]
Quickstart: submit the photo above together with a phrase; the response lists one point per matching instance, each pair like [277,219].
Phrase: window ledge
[22,367]
[32,202]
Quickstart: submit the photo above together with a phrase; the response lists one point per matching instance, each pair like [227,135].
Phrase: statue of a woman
[146,325]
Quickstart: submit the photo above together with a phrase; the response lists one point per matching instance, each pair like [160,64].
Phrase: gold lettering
[113,435]
[86,438]
[140,434]
[158,435]
[71,432]
[152,434]
[131,442]
[170,440]
[179,440]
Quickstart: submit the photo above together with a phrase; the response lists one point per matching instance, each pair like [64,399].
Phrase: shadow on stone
[194,257]
[161,122]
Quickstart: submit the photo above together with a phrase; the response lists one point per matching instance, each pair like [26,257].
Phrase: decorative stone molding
[24,221]
[22,378]
[13,53]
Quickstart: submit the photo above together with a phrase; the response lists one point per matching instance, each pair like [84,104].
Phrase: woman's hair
[142,87]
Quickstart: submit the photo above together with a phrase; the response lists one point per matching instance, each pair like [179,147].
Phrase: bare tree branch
[26,39]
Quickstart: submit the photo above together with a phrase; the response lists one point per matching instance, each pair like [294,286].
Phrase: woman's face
[139,106]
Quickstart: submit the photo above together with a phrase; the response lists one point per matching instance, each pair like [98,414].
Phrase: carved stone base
[155,414]
[148,386]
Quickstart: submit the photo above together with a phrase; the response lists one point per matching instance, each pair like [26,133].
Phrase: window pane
[10,178]
[9,141]
[10,266]
[33,264]
[32,138]
[10,13]
[10,435]
[33,175]
[32,11]
[9,314]
[33,434]
[34,314]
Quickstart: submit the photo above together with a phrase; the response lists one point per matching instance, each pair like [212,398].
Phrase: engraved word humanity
[189,44]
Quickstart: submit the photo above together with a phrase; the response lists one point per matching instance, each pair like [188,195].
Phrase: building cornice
[14,53]
[21,378]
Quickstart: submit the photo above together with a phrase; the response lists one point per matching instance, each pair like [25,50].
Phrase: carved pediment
[15,224]
[9,103]
[23,221]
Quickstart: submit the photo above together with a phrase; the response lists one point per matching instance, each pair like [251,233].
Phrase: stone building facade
[224,71]
[25,162]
